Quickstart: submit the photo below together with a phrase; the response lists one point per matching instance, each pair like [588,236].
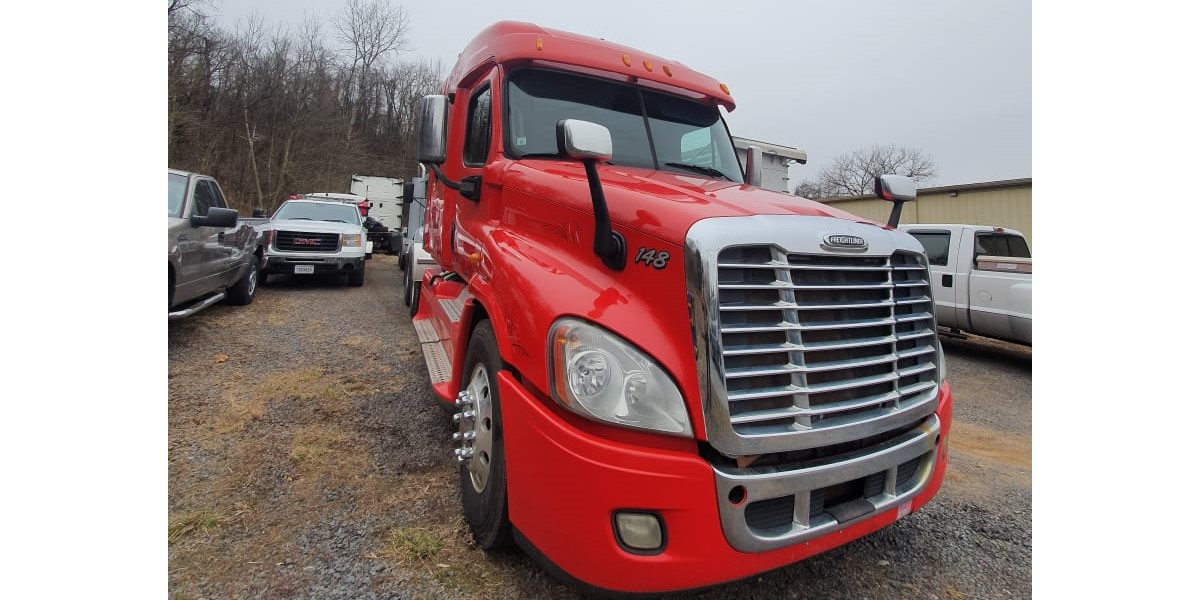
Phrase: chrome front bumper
[775,486]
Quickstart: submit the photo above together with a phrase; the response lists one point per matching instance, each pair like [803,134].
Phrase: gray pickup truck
[211,254]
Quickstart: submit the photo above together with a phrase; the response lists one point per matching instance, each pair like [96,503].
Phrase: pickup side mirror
[898,189]
[431,133]
[216,217]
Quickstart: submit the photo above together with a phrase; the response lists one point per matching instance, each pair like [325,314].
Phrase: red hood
[660,203]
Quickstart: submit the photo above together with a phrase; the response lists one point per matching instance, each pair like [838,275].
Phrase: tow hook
[464,440]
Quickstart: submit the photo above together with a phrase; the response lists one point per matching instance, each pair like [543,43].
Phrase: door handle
[183,237]
[221,237]
[947,280]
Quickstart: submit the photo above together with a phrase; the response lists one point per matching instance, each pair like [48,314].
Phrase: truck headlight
[351,240]
[601,376]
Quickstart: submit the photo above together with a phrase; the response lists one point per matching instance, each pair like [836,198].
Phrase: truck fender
[484,303]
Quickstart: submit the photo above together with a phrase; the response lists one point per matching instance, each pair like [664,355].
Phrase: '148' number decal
[652,258]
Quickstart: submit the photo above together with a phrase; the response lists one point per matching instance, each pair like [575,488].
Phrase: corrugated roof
[962,187]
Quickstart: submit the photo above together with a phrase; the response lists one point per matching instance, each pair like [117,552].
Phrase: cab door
[478,147]
[210,254]
[939,247]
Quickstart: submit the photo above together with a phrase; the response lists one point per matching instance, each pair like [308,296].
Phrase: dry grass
[315,443]
[415,545]
[203,522]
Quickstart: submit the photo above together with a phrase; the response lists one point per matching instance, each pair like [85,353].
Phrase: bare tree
[810,189]
[853,173]
[371,29]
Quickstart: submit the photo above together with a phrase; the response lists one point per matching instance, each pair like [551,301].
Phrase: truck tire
[412,291]
[483,476]
[357,276]
[242,292]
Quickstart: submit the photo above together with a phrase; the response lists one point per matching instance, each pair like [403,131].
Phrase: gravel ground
[307,459]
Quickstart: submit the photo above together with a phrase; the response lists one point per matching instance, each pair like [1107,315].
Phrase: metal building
[776,160]
[1007,203]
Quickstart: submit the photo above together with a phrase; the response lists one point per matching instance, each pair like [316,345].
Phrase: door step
[425,331]
[435,355]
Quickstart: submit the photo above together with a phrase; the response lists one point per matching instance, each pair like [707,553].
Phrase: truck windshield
[649,129]
[318,211]
[176,190]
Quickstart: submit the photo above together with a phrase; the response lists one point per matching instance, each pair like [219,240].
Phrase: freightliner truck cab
[664,377]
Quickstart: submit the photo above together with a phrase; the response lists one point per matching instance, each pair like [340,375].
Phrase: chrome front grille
[800,347]
[822,339]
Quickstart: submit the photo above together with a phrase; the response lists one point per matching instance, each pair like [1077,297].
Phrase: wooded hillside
[271,110]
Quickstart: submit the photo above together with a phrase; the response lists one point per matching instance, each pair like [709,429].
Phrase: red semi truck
[665,377]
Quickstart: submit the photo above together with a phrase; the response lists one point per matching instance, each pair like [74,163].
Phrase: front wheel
[482,475]
[243,291]
[358,276]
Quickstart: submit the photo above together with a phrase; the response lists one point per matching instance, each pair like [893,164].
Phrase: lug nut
[463,399]
[468,414]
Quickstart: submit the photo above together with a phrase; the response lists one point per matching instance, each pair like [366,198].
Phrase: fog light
[641,533]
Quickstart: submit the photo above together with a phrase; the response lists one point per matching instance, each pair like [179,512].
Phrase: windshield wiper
[699,169]
[335,221]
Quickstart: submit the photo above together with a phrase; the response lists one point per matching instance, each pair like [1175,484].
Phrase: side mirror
[590,142]
[216,217]
[431,133]
[898,189]
[584,139]
[754,163]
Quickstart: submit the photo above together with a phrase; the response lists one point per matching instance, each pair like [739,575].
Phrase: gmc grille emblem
[306,242]
[844,242]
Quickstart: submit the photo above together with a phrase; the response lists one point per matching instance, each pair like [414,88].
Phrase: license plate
[304,269]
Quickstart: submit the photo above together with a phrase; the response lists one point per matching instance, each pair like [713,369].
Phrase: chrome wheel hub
[473,440]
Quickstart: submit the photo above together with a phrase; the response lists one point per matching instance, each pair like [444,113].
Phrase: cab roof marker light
[649,67]
[724,88]
[667,70]
[539,44]
[625,59]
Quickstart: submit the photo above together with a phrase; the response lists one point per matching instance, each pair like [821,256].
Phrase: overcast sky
[949,77]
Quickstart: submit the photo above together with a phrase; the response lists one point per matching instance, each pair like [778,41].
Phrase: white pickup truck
[310,235]
[982,279]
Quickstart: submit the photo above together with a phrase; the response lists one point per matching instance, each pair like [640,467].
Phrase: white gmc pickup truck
[309,236]
[982,279]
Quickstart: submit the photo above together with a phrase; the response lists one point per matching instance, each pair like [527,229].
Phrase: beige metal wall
[1009,206]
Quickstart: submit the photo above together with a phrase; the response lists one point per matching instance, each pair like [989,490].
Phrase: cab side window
[479,127]
[1001,244]
[937,245]
[203,198]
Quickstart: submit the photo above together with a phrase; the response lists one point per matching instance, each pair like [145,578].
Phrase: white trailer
[385,195]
